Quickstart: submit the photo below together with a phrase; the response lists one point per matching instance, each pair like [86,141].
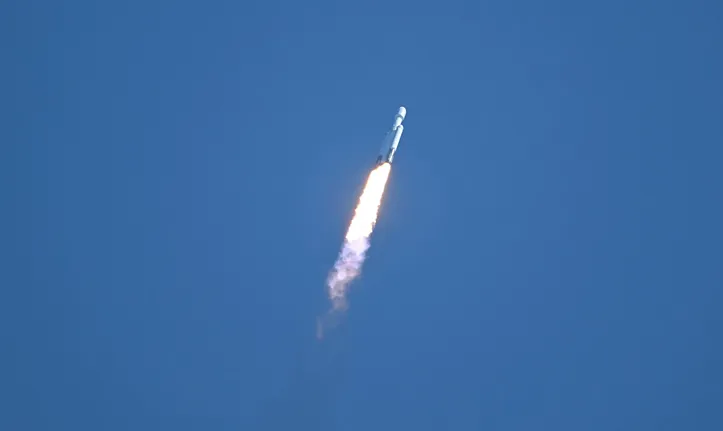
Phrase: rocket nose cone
[402,111]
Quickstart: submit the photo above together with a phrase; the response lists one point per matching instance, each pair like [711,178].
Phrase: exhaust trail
[349,263]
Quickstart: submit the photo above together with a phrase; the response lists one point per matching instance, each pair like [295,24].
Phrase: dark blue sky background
[178,176]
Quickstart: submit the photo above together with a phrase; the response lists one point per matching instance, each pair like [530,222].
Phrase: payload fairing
[391,140]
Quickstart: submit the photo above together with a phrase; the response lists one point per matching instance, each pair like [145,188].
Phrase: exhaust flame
[351,258]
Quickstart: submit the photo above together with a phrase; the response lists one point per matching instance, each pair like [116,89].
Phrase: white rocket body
[391,140]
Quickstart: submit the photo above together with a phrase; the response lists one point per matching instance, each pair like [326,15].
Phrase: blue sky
[179,175]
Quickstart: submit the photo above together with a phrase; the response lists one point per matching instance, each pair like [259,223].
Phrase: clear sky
[178,175]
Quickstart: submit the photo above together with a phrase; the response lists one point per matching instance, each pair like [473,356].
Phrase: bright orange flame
[365,214]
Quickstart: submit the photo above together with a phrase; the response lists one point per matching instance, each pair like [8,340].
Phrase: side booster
[391,140]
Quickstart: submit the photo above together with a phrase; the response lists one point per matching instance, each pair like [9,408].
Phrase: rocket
[391,140]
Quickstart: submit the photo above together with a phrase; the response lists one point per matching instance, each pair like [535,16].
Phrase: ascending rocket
[391,140]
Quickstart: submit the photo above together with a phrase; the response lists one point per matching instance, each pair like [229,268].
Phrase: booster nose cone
[402,112]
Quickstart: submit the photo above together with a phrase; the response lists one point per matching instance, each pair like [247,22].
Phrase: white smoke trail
[351,258]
